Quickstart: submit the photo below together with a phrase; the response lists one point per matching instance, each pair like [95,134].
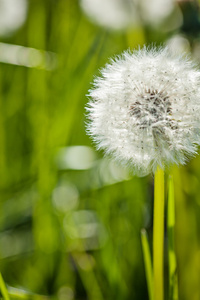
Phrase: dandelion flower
[145,109]
[158,10]
[113,14]
[120,14]
[13,14]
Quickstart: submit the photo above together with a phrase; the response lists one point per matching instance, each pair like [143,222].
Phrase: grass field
[71,218]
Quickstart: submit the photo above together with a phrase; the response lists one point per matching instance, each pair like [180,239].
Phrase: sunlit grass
[173,278]
[3,289]
[147,263]
[74,233]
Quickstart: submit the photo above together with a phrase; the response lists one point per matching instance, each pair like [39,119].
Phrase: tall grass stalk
[3,289]
[173,282]
[147,263]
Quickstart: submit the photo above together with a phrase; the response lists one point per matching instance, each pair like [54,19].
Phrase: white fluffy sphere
[145,109]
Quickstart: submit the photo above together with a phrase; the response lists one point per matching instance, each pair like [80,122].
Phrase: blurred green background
[70,218]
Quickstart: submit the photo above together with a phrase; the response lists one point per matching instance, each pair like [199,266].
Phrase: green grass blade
[147,263]
[173,282]
[3,288]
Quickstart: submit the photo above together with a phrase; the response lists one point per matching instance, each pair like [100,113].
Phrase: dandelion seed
[145,109]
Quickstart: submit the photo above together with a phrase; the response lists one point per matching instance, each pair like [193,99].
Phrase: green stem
[3,289]
[158,235]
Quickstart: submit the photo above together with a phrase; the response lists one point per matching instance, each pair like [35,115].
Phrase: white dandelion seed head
[113,14]
[157,11]
[145,109]
[120,14]
[13,14]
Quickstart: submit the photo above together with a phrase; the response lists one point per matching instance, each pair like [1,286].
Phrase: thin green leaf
[3,289]
[173,282]
[147,263]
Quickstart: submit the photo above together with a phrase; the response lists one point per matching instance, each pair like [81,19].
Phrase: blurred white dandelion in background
[12,15]
[178,43]
[120,14]
[156,10]
[114,14]
[145,109]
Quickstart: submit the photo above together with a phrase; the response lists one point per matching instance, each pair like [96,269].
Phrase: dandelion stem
[158,235]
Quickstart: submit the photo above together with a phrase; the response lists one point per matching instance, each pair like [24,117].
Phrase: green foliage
[70,225]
